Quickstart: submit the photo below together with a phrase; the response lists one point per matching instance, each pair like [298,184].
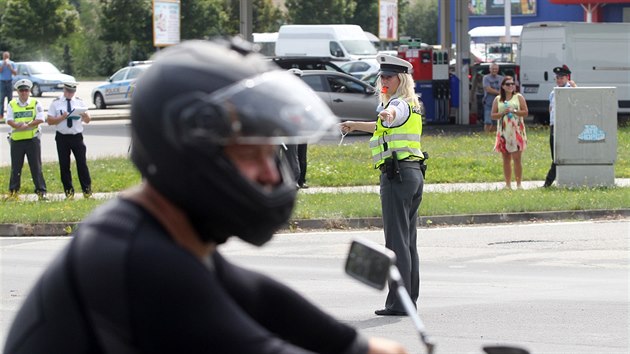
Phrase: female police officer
[142,274]
[396,151]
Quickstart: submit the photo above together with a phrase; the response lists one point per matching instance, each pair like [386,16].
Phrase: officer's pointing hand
[386,116]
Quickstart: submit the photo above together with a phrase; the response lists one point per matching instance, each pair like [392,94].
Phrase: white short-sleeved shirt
[402,112]
[39,111]
[59,106]
[552,106]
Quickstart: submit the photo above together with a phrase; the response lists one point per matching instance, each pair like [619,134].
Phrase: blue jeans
[6,90]
[487,117]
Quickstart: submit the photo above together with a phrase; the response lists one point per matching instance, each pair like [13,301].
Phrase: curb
[44,229]
[457,220]
[294,226]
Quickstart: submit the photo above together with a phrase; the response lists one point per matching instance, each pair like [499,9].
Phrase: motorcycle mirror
[504,350]
[369,263]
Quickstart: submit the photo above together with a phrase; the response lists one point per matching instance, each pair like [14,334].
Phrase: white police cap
[23,83]
[391,65]
[70,85]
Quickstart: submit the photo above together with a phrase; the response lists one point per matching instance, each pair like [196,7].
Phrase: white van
[266,43]
[598,54]
[340,42]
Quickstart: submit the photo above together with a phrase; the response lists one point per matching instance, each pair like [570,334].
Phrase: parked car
[360,68]
[44,76]
[306,63]
[119,87]
[348,97]
[370,78]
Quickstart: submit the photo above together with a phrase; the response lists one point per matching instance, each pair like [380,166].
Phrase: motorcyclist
[142,274]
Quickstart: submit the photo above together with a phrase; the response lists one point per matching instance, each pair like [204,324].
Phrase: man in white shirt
[563,79]
[69,138]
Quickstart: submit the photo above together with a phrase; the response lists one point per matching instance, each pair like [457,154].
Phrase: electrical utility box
[585,136]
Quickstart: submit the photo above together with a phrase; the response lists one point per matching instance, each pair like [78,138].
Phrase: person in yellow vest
[24,115]
[396,151]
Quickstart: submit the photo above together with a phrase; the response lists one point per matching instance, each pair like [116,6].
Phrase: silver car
[119,88]
[44,76]
[362,67]
[348,97]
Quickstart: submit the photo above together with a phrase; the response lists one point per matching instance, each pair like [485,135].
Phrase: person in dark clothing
[302,152]
[143,273]
[563,79]
[297,153]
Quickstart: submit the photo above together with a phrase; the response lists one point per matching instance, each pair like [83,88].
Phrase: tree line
[91,38]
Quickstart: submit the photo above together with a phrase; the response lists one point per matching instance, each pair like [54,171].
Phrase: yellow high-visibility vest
[404,139]
[26,115]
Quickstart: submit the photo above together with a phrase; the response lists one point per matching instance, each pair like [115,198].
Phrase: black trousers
[6,90]
[551,175]
[292,157]
[32,149]
[301,151]
[400,200]
[66,144]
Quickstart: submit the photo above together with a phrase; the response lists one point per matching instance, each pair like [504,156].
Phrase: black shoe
[388,312]
[303,185]
[42,197]
[13,196]
[69,194]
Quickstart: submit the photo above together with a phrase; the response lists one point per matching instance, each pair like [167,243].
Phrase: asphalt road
[547,287]
[105,137]
[84,91]
[102,138]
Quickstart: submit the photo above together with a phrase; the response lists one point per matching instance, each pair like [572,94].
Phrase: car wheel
[99,102]
[36,91]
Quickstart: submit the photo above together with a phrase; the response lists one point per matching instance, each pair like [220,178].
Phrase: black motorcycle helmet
[199,96]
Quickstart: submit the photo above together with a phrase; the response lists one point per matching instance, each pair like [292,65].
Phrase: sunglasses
[23,90]
[509,84]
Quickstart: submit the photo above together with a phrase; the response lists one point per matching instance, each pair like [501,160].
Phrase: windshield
[359,47]
[44,68]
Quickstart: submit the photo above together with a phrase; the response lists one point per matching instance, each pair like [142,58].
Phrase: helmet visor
[274,108]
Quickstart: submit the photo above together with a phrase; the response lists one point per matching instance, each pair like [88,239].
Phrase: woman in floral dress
[510,108]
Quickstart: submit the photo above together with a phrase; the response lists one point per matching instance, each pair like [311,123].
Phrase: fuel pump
[430,73]
[421,58]
[441,86]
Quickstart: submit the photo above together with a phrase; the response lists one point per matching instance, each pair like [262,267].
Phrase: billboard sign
[497,7]
[166,22]
[388,20]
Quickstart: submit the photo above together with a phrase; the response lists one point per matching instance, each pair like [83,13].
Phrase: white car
[119,88]
[360,68]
